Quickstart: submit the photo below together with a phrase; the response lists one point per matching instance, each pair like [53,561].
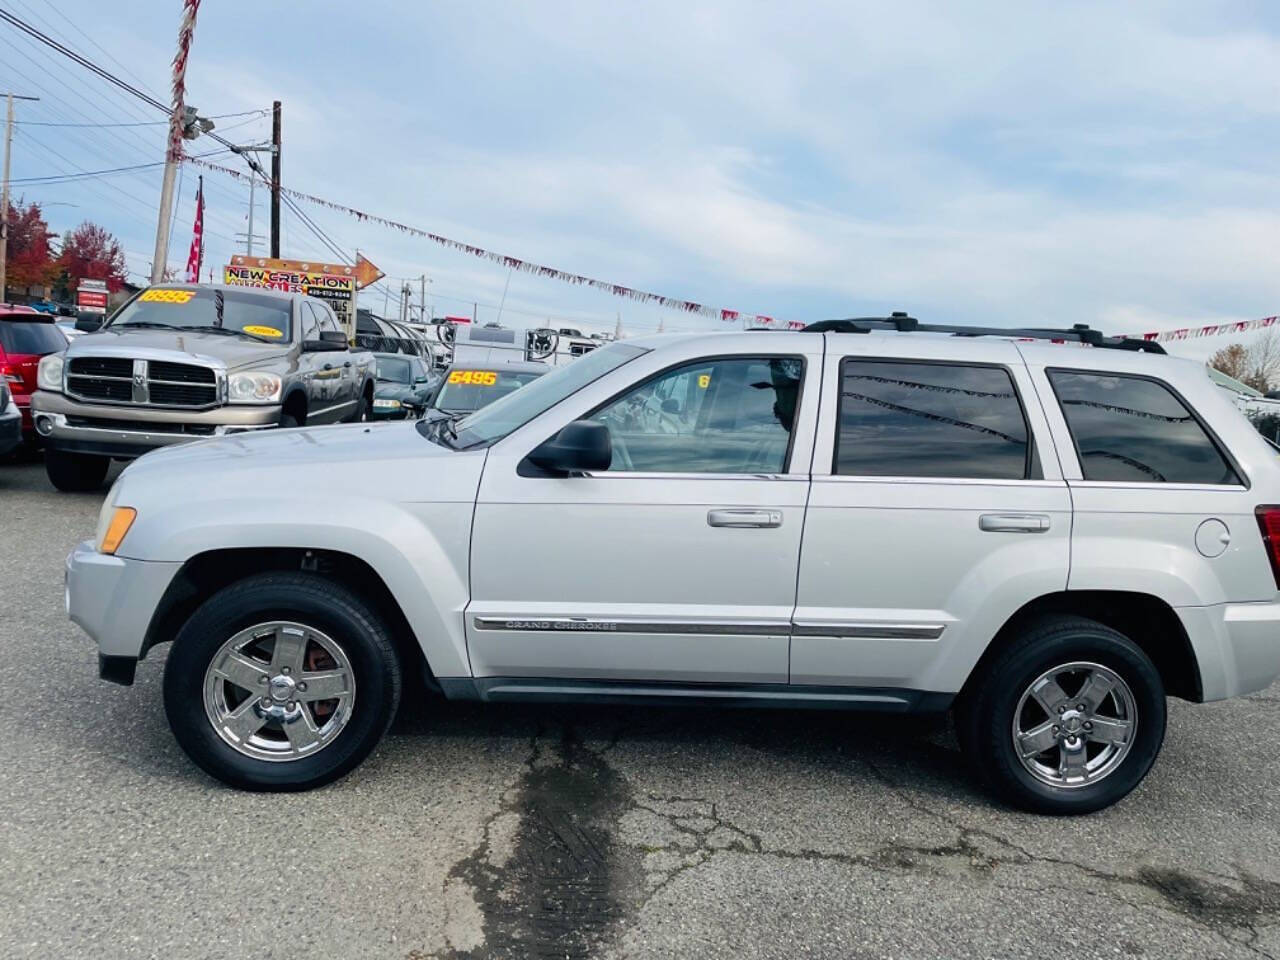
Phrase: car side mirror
[334,336]
[324,346]
[581,446]
[88,324]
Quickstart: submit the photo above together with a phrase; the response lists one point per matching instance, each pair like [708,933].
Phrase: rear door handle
[744,518]
[1014,522]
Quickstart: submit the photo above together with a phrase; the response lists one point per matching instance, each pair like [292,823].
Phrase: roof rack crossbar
[902,323]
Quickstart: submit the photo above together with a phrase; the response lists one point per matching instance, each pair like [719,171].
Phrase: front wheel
[1067,719]
[283,681]
[75,472]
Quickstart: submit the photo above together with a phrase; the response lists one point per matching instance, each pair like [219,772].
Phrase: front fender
[418,549]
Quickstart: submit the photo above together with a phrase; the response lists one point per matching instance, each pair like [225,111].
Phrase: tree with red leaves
[91,253]
[29,261]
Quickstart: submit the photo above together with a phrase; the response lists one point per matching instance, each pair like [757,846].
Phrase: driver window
[714,416]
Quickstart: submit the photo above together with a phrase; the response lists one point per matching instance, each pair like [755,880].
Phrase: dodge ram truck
[183,361]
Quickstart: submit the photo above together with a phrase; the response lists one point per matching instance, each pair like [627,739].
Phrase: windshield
[516,409]
[395,370]
[466,390]
[255,315]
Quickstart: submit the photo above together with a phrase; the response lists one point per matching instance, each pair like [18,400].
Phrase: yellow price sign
[259,331]
[166,296]
[476,378]
[704,381]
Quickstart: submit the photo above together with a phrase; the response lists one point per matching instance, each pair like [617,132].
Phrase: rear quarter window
[1131,429]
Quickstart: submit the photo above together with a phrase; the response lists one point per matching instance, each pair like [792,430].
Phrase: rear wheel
[283,681]
[1067,719]
[75,472]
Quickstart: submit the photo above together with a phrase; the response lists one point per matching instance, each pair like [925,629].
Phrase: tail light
[1269,523]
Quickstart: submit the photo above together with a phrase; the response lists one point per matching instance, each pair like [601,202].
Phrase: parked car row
[26,336]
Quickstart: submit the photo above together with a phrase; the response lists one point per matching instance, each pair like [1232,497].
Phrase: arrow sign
[366,272]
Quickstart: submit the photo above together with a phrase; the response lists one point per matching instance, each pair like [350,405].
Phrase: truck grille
[159,383]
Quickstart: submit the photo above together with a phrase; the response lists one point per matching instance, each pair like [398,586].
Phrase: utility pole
[4,193]
[183,122]
[253,206]
[422,298]
[275,178]
[248,240]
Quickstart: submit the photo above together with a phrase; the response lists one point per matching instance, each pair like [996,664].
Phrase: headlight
[253,388]
[386,404]
[49,373]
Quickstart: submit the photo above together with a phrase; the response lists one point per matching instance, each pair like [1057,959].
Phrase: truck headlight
[49,373]
[253,388]
[386,404]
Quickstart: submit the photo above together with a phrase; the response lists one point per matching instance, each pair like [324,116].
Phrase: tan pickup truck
[182,361]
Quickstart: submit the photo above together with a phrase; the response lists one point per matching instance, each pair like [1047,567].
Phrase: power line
[141,123]
[94,174]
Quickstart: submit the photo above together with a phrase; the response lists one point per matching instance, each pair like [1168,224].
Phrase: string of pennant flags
[525,266]
[757,320]
[1210,330]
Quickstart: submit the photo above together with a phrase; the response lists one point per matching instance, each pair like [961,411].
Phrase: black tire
[364,407]
[288,420]
[985,713]
[75,472]
[310,600]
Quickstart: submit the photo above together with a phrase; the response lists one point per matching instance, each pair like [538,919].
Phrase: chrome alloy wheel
[279,691]
[1074,724]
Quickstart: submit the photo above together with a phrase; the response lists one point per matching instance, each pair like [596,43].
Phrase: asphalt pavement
[504,831]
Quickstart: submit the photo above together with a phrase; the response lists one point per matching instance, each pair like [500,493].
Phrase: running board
[554,690]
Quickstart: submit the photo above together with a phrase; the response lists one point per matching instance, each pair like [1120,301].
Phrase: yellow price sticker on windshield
[258,331]
[476,378]
[166,296]
[704,381]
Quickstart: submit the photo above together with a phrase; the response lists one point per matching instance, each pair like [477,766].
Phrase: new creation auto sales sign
[336,285]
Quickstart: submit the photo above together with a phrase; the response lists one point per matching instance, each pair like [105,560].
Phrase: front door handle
[1014,522]
[744,518]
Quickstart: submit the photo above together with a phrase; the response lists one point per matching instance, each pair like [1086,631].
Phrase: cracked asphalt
[571,832]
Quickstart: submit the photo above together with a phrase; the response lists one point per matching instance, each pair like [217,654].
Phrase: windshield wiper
[147,324]
[228,331]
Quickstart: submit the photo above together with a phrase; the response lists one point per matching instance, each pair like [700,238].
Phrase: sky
[1008,164]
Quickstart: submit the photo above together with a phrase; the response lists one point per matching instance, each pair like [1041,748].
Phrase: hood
[384,460]
[385,390]
[216,349]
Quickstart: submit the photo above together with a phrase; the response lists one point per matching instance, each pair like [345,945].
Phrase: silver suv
[1047,538]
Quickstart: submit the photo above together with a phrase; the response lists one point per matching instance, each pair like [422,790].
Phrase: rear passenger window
[1131,429]
[904,419]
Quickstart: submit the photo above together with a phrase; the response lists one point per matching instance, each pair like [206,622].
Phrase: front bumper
[127,431]
[113,600]
[1237,646]
[10,428]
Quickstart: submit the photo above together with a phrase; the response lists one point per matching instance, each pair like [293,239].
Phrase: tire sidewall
[259,601]
[1016,676]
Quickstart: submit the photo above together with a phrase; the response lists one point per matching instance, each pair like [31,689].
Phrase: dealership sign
[336,285]
[91,296]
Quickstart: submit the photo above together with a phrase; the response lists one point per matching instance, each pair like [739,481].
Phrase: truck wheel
[75,472]
[288,420]
[1067,719]
[282,681]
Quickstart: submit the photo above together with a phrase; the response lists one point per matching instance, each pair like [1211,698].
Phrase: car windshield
[394,370]
[25,336]
[255,315]
[467,389]
[519,407]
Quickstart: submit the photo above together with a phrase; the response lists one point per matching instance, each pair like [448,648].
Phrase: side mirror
[324,346]
[88,324]
[580,446]
[334,336]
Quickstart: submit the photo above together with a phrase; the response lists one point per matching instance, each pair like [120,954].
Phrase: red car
[26,335]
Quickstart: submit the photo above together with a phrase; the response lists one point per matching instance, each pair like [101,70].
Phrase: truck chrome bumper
[112,599]
[126,431]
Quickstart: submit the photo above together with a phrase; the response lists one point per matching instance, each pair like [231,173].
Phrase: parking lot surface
[509,831]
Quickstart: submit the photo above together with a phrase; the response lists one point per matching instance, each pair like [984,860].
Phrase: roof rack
[902,323]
